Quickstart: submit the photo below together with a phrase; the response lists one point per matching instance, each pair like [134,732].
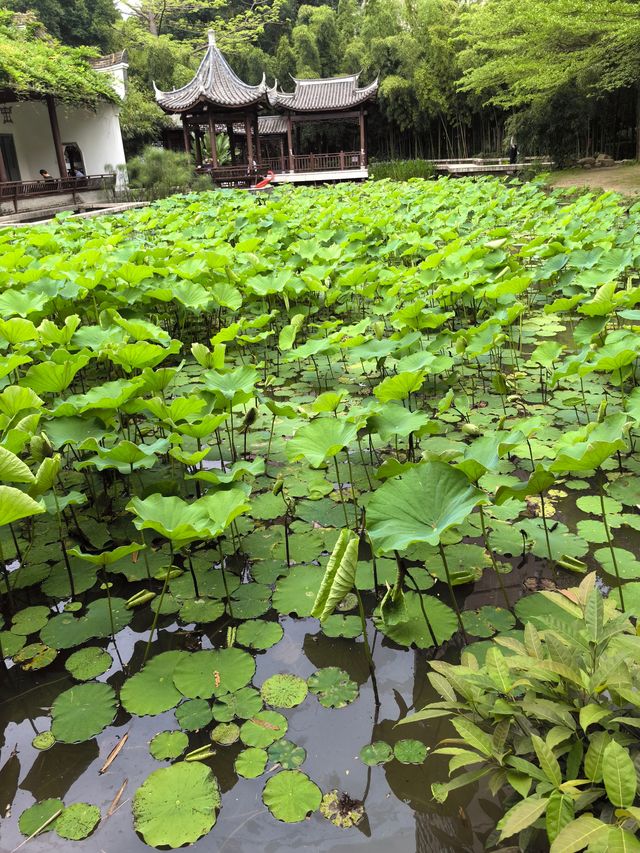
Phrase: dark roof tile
[333,93]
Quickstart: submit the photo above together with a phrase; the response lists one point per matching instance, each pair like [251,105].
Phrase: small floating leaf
[225,734]
[333,687]
[32,818]
[290,796]
[194,714]
[82,712]
[251,763]
[259,634]
[43,741]
[77,821]
[378,752]
[286,754]
[410,751]
[88,663]
[284,690]
[263,729]
[167,745]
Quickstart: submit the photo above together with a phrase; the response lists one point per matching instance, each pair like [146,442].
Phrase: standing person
[513,151]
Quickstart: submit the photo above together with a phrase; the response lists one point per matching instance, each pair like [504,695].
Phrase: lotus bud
[40,447]
[461,346]
[249,419]
[278,486]
[378,329]
[602,411]
[501,422]
[471,429]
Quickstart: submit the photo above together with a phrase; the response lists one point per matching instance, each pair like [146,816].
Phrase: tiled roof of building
[214,83]
[109,60]
[333,93]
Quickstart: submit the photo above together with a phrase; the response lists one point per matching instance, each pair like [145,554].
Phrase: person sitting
[80,173]
[46,176]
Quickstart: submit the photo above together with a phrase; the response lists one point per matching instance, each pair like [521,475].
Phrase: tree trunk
[638,123]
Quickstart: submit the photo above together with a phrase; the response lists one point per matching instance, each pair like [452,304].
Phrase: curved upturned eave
[292,101]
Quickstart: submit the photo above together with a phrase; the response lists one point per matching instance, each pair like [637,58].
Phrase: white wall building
[91,138]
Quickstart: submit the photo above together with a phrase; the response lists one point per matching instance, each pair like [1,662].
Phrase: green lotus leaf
[233,387]
[587,448]
[38,814]
[342,626]
[414,631]
[487,621]
[11,643]
[259,634]
[43,741]
[339,576]
[419,507]
[333,687]
[290,796]
[30,619]
[376,753]
[82,712]
[284,691]
[194,714]
[77,821]
[108,558]
[400,386]
[628,565]
[167,745]
[320,440]
[225,733]
[204,674]
[15,505]
[244,704]
[35,656]
[176,805]
[286,754]
[13,469]
[251,763]
[201,610]
[88,663]
[263,729]
[152,691]
[66,630]
[296,593]
[410,751]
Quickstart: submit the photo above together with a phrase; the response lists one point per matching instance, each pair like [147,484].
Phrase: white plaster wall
[97,133]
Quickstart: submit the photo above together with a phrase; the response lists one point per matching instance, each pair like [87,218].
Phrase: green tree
[74,22]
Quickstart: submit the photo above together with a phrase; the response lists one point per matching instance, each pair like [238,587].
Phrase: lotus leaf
[204,674]
[176,805]
[258,634]
[30,620]
[88,663]
[320,440]
[166,745]
[284,691]
[376,753]
[290,796]
[333,687]
[244,704]
[410,751]
[201,610]
[286,754]
[297,592]
[194,714]
[82,712]
[152,691]
[38,814]
[251,763]
[77,821]
[225,733]
[35,656]
[263,729]
[43,741]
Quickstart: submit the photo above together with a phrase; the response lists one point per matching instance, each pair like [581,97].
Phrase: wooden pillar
[281,140]
[198,147]
[232,143]
[363,141]
[247,129]
[4,176]
[290,142]
[55,132]
[256,136]
[212,142]
[185,136]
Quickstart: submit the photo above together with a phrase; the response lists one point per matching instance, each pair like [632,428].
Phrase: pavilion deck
[300,168]
[15,192]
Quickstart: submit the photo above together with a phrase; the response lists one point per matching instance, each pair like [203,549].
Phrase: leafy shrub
[159,172]
[555,718]
[401,170]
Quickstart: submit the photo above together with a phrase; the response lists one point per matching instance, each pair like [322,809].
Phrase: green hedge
[401,170]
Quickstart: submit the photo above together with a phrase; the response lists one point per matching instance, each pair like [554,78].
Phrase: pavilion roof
[214,83]
[318,95]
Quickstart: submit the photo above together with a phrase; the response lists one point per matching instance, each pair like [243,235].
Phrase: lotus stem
[273,423]
[344,506]
[364,464]
[353,488]
[6,578]
[367,647]
[107,586]
[224,579]
[546,535]
[487,545]
[611,548]
[193,576]
[450,585]
[158,609]
[422,608]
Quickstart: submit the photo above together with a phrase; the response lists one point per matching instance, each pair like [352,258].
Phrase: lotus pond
[267,466]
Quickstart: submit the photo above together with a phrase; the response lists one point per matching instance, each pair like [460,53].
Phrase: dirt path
[621,179]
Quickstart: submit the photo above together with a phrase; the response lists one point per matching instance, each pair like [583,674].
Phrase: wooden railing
[327,162]
[242,175]
[14,191]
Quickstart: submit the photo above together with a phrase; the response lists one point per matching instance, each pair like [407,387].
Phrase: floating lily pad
[259,634]
[415,631]
[43,741]
[30,620]
[204,674]
[487,621]
[152,691]
[286,754]
[194,714]
[290,796]
[378,752]
[243,703]
[251,600]
[263,729]
[77,821]
[625,489]
[201,610]
[167,745]
[35,656]
[409,751]
[82,712]
[284,690]
[296,593]
[338,625]
[251,763]
[88,663]
[32,818]
[11,643]
[341,810]
[57,583]
[225,733]
[628,565]
[591,504]
[333,687]
[176,805]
